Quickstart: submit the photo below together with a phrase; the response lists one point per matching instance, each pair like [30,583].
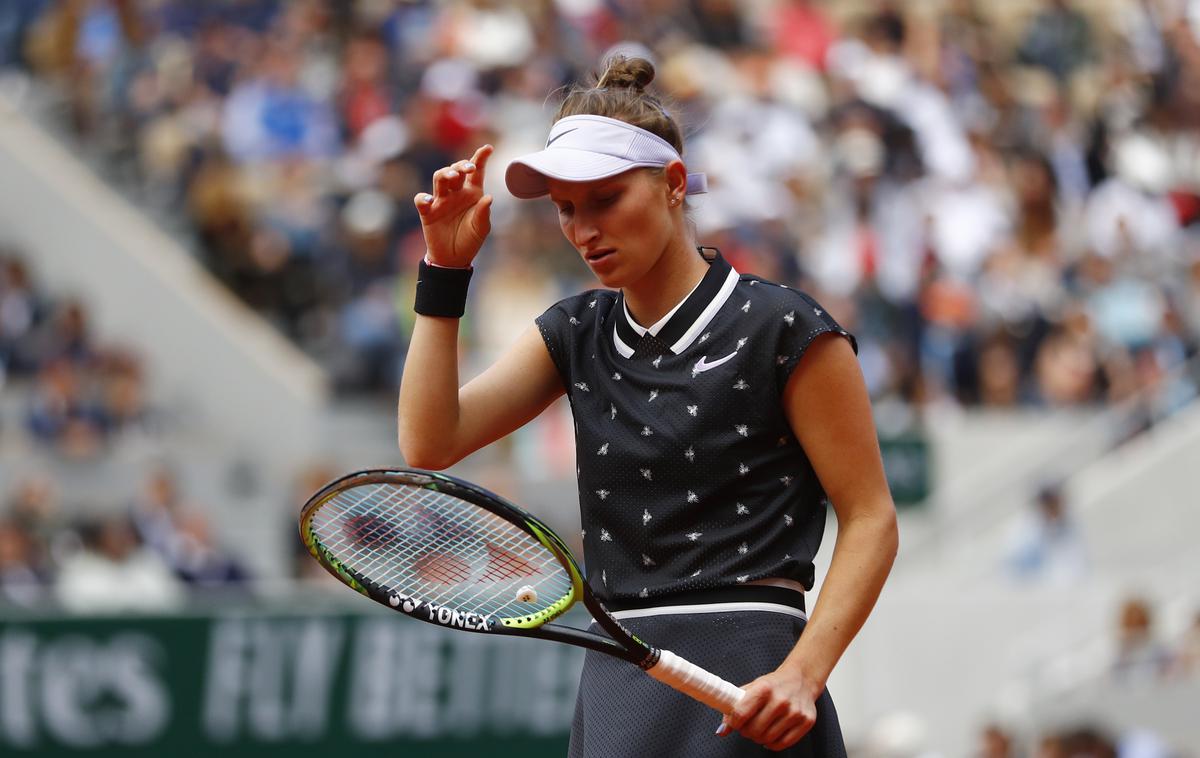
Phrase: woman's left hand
[779,708]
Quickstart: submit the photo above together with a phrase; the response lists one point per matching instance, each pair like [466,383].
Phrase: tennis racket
[450,553]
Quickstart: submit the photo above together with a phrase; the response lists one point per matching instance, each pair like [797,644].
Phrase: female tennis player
[718,416]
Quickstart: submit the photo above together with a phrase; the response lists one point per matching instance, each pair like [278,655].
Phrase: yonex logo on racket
[438,614]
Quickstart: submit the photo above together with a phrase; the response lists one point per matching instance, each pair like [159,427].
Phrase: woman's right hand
[456,218]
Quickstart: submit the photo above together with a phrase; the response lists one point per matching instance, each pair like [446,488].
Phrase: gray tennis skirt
[621,712]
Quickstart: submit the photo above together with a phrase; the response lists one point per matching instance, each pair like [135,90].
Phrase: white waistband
[672,610]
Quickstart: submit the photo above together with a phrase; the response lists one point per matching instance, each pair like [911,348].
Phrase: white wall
[956,642]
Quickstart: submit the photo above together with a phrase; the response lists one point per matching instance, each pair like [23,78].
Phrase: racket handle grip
[695,682]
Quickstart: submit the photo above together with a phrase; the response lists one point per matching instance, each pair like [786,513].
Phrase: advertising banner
[254,684]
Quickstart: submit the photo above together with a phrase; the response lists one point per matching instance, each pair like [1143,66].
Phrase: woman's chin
[610,279]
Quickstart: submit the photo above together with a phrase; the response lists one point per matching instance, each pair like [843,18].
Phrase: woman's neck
[676,273]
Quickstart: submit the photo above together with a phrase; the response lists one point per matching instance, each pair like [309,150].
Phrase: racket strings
[499,537]
[441,549]
[505,565]
[442,568]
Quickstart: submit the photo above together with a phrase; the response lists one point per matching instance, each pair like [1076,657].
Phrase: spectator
[199,561]
[1058,39]
[1088,742]
[64,414]
[35,512]
[156,511]
[21,584]
[802,30]
[995,742]
[1141,657]
[1142,743]
[21,310]
[1187,653]
[1047,547]
[114,573]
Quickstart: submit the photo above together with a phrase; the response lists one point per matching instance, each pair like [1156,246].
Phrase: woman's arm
[440,423]
[829,410]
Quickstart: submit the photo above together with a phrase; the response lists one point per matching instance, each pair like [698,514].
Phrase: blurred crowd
[81,392]
[1001,199]
[1082,741]
[75,397]
[149,554]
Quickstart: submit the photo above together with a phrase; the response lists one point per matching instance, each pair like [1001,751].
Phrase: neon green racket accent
[543,616]
[325,557]
[546,615]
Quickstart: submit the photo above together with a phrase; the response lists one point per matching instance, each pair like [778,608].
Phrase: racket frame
[535,625]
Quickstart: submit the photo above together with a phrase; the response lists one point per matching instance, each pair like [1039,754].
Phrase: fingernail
[469,166]
[426,198]
[722,730]
[451,174]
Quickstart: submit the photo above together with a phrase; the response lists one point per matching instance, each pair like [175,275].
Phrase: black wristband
[441,291]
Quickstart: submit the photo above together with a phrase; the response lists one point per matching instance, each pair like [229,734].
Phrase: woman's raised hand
[456,218]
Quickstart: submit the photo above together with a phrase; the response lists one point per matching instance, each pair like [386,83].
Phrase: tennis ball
[527,594]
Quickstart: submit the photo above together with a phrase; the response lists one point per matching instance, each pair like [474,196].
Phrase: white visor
[586,148]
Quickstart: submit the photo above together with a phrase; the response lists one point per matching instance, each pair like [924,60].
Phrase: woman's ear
[676,176]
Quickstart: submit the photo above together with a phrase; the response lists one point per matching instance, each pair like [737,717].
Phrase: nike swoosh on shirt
[702,365]
[561,134]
